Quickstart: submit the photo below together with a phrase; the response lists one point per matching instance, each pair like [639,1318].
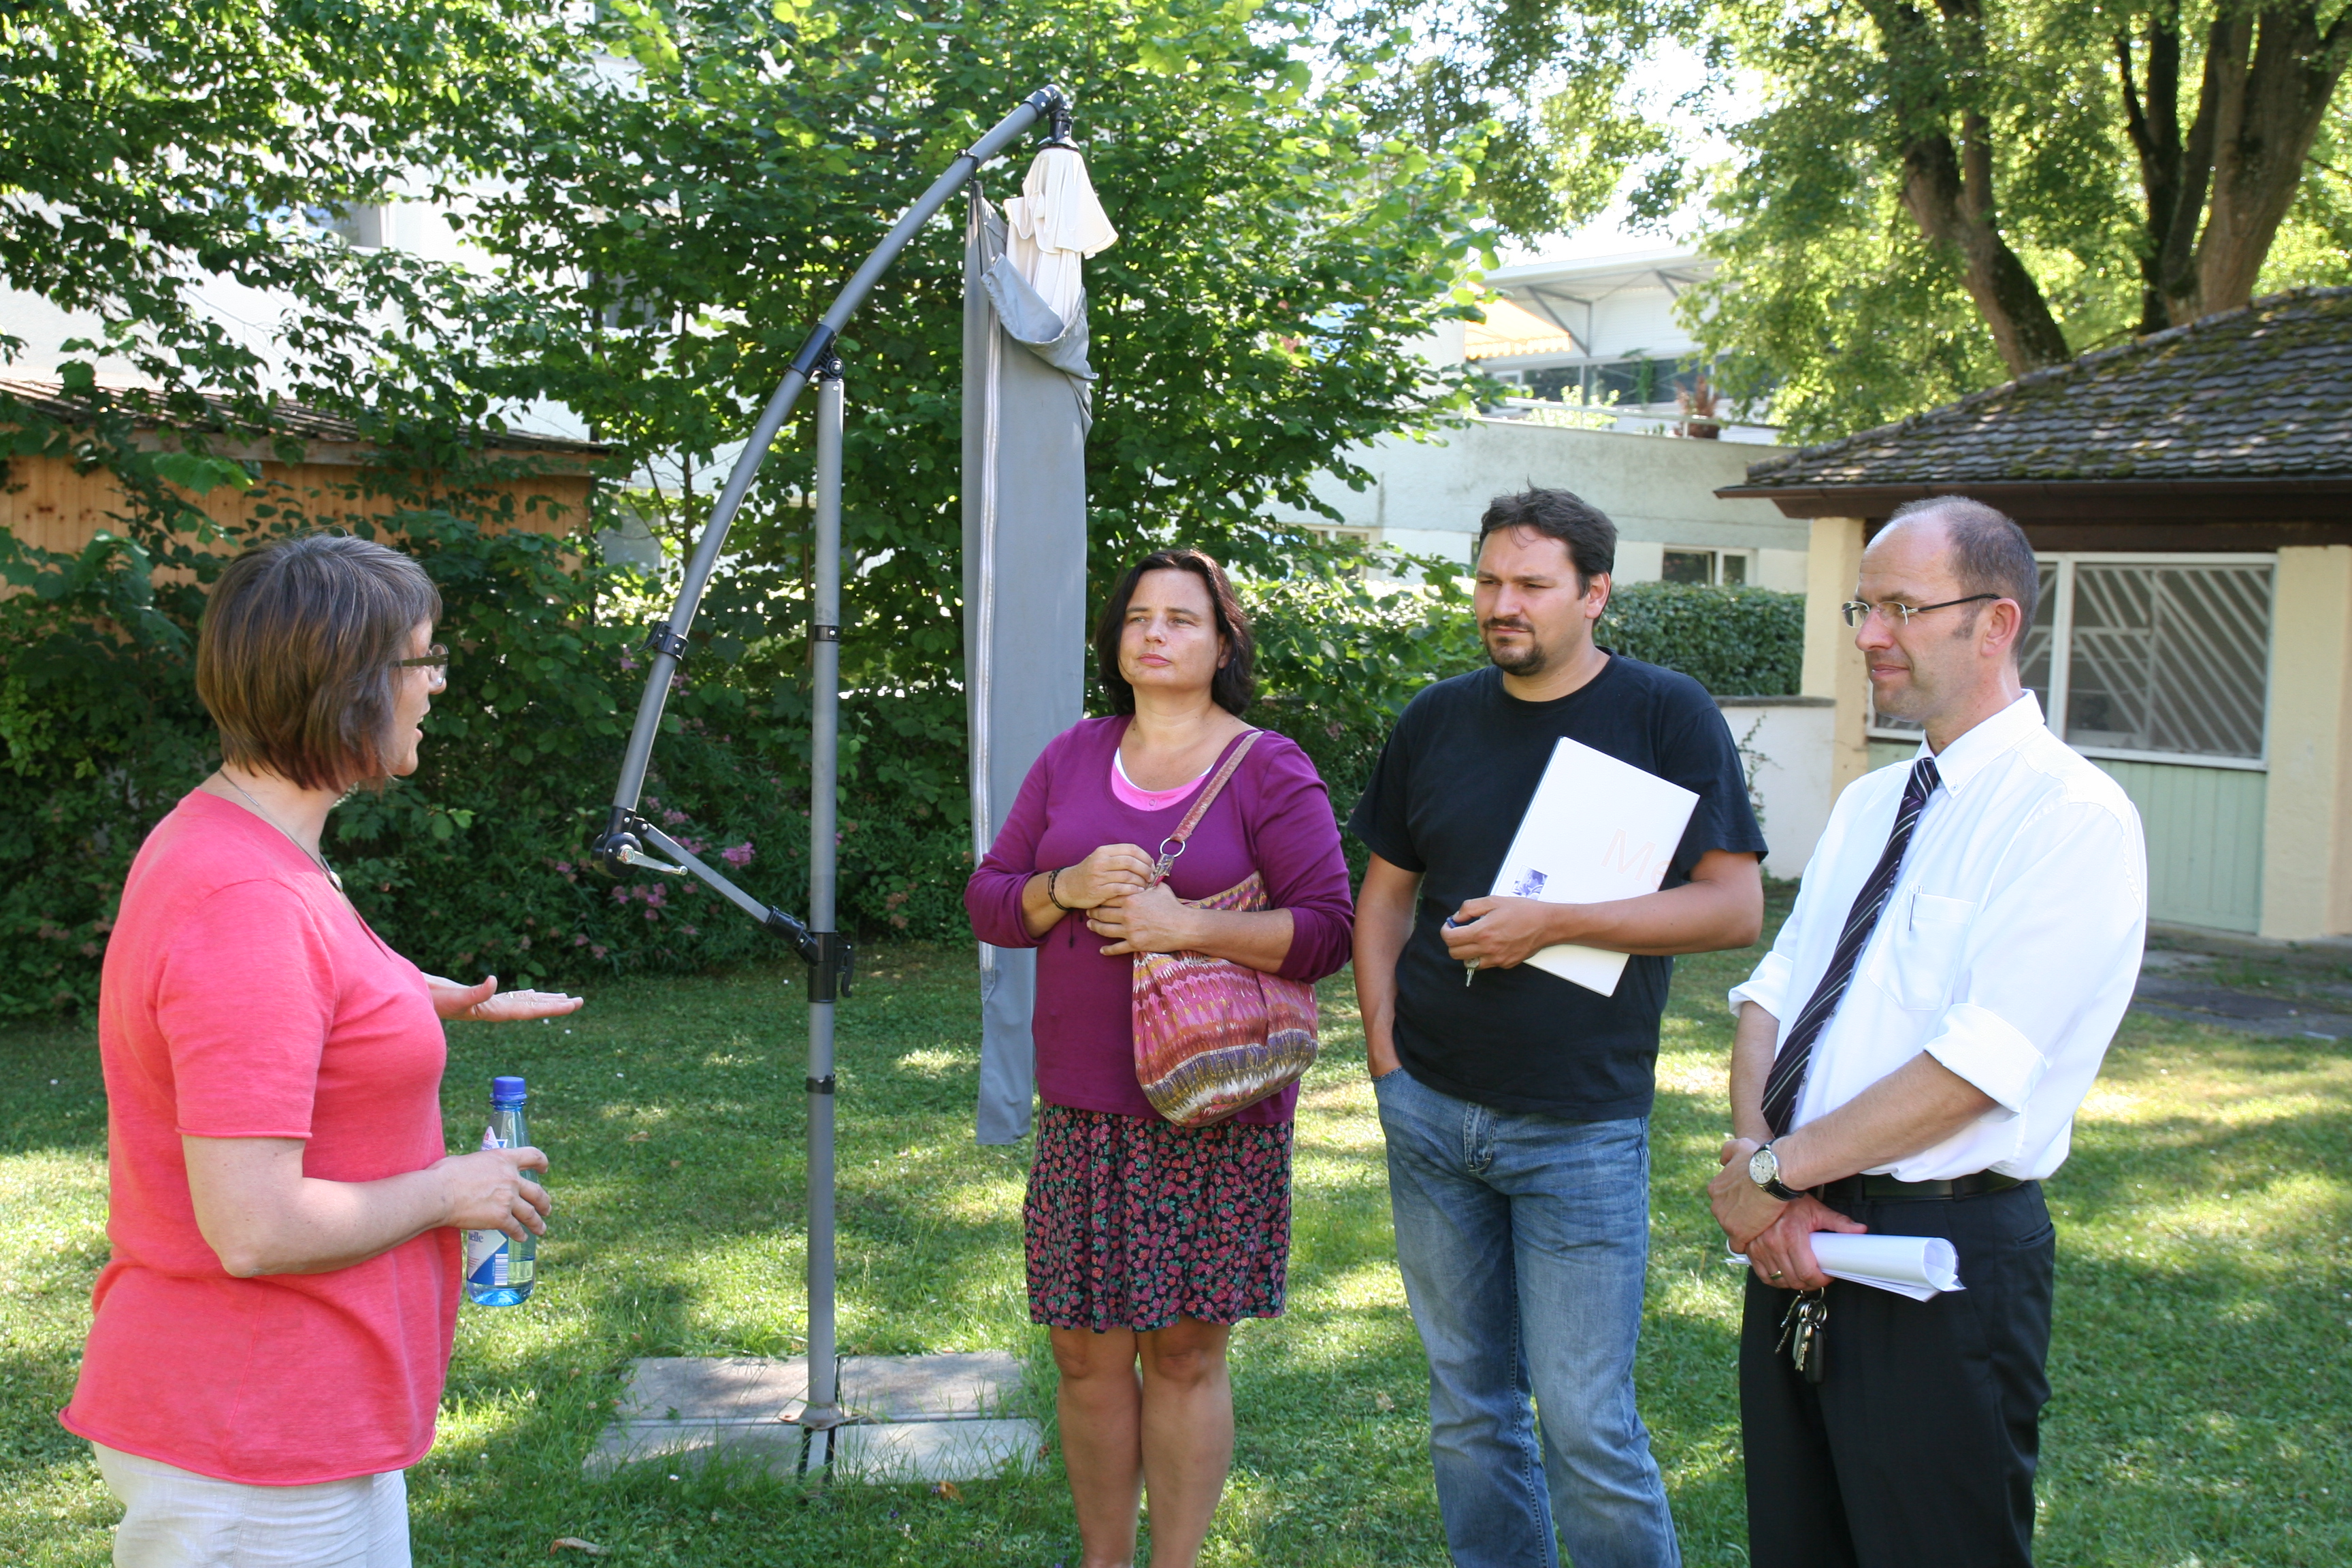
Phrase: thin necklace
[262,812]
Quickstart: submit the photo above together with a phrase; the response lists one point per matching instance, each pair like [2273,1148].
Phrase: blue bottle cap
[506,1091]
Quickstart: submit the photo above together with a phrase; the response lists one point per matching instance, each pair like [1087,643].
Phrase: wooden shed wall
[46,503]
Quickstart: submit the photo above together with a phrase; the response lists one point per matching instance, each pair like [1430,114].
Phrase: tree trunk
[2153,123]
[2270,77]
[1949,193]
[1947,187]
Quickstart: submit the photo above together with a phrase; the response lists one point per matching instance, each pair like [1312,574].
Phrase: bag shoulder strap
[1174,844]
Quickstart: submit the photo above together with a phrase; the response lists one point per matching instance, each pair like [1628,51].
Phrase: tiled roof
[2265,392]
[50,399]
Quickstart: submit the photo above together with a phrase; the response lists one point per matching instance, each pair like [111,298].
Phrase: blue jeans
[1524,1242]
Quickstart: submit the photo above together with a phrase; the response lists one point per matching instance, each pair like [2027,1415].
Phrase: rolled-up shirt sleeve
[1295,841]
[2045,979]
[1768,986]
[993,897]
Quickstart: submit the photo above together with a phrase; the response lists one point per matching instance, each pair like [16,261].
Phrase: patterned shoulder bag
[1211,1037]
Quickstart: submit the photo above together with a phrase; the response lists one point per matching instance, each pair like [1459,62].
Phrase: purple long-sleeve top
[1274,817]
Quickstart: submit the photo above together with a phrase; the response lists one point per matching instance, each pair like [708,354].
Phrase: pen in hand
[1469,966]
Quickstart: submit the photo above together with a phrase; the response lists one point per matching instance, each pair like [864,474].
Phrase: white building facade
[1608,376]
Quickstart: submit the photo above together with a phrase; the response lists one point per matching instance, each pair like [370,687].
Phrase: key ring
[1166,859]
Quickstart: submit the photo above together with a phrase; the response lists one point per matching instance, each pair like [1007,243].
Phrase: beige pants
[176,1518]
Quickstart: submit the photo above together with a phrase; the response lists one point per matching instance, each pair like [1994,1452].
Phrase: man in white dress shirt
[1908,1060]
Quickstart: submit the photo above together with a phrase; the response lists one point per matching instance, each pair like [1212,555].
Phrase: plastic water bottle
[500,1270]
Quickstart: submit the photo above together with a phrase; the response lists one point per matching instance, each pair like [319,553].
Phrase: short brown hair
[1990,555]
[1233,685]
[297,658]
[1582,529]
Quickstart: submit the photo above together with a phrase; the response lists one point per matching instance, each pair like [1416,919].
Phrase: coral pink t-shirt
[243,998]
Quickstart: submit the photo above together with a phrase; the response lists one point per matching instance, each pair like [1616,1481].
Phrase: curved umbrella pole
[624,845]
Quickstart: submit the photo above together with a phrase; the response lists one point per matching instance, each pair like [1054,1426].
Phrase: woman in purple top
[1148,1241]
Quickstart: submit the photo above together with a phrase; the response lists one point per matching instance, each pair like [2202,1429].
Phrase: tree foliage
[1933,198]
[1552,88]
[679,191]
[685,219]
[150,151]
[1922,198]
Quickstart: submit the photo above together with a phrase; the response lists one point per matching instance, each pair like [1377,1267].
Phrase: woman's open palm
[486,1003]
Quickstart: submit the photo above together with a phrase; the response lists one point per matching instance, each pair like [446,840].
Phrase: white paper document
[1597,830]
[1914,1265]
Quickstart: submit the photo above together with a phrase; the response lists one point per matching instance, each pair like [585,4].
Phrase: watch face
[1763,1166]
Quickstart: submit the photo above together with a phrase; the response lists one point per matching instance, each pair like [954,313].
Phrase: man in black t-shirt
[1515,1104]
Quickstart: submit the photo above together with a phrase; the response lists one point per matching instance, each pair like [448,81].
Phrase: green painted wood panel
[2204,828]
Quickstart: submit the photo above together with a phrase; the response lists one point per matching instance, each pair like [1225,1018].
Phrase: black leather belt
[1878,1189]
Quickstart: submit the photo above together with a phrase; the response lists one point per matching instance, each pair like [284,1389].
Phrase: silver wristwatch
[1764,1170]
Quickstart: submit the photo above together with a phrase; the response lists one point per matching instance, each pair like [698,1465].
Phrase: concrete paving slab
[955,1387]
[931,1418]
[772,1446]
[712,1388]
[934,1451]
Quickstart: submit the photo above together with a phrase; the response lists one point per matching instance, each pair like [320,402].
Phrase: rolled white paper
[1918,1267]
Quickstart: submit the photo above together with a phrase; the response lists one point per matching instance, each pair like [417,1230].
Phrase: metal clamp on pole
[817,356]
[661,639]
[832,965]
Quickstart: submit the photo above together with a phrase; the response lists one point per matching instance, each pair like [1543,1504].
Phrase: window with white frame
[2150,658]
[1691,563]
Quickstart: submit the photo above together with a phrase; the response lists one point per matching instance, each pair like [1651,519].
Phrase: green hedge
[477,862]
[1736,642]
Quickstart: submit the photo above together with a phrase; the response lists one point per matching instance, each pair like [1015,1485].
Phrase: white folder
[1597,830]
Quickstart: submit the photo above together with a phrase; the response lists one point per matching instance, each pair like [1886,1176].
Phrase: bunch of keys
[1802,1331]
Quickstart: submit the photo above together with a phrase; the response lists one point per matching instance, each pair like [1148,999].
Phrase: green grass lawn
[2203,1413]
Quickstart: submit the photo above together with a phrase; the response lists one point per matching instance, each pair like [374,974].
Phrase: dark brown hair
[1582,529]
[1233,685]
[297,658]
[1990,555]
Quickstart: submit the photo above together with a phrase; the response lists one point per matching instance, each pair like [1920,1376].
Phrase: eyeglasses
[1857,612]
[435,659]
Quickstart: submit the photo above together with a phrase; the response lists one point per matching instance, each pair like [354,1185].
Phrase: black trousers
[1917,1449]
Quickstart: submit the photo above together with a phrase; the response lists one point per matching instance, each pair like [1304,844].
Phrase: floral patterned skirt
[1132,1222]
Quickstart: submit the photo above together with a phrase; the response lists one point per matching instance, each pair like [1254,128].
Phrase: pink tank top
[1149,799]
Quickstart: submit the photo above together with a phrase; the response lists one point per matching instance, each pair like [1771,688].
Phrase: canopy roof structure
[2242,418]
[326,437]
[1509,330]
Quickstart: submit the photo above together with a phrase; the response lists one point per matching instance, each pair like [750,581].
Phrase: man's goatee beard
[1530,663]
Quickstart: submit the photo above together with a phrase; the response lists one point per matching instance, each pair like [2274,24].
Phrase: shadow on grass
[2200,1397]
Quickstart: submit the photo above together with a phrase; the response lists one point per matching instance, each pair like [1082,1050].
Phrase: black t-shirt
[1446,802]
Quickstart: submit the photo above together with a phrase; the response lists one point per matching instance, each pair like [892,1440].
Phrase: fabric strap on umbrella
[1027,403]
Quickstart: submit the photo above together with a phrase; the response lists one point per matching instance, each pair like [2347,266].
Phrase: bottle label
[487,1259]
[490,1254]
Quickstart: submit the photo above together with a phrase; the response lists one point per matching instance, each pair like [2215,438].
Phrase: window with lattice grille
[2155,658]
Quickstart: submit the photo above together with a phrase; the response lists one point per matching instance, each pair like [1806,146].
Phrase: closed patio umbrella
[1028,401]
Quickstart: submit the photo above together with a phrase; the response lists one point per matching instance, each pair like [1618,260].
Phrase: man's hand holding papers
[1496,933]
[1776,1236]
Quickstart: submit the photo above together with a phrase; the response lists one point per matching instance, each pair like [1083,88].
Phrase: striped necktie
[1796,1052]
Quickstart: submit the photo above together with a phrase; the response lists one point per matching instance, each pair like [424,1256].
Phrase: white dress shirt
[2007,950]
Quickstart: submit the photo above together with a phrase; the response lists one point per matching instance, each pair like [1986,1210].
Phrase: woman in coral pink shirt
[272,1332]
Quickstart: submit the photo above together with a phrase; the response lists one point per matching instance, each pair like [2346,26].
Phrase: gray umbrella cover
[1027,403]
